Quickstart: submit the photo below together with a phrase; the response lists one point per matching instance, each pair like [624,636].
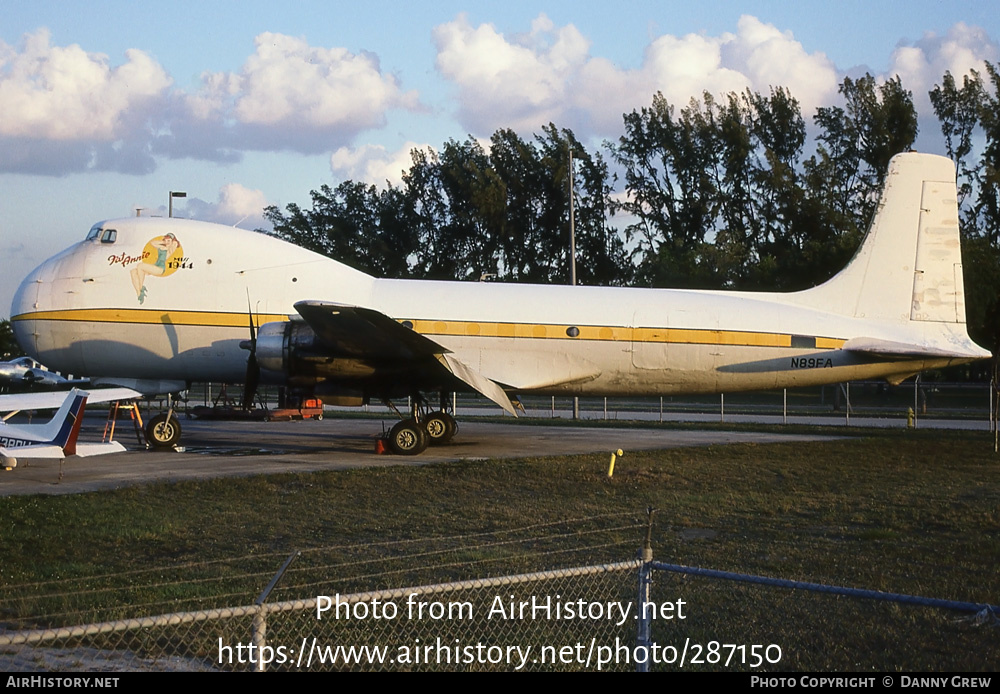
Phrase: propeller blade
[251,381]
[253,369]
[253,329]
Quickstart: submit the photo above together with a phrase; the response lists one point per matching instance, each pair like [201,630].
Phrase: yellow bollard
[909,417]
[611,468]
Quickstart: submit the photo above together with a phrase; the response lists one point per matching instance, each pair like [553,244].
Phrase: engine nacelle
[277,342]
[290,353]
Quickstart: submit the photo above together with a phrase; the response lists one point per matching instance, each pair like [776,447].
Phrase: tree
[9,348]
[669,192]
[505,211]
[465,243]
[354,223]
[713,191]
[969,114]
[857,142]
[600,248]
[957,108]
[468,211]
[843,181]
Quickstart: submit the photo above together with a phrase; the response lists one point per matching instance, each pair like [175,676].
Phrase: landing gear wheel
[408,438]
[441,427]
[162,432]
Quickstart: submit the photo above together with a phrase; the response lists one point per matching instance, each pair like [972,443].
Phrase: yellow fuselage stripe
[448,328]
[141,316]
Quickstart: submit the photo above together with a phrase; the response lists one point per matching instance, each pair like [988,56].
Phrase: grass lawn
[908,512]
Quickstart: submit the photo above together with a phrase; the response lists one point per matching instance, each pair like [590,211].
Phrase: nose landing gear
[163,431]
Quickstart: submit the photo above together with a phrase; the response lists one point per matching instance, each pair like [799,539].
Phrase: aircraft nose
[50,284]
[24,305]
[40,292]
[26,294]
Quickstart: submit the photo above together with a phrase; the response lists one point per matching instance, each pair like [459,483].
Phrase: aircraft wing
[9,456]
[54,399]
[363,332]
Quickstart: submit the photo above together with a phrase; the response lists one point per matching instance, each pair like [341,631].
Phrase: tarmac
[213,449]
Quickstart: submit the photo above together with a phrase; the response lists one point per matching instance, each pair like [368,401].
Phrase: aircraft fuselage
[155,298]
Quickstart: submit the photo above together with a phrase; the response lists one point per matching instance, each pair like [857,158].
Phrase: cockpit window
[104,235]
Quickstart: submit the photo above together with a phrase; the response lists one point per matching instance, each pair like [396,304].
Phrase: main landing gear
[423,428]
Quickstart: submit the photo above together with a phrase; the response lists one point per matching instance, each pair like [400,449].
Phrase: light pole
[170,205]
[572,249]
[572,222]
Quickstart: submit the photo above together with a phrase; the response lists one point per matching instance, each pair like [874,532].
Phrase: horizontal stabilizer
[9,456]
[873,345]
[85,450]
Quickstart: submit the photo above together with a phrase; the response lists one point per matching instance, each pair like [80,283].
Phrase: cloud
[66,94]
[237,205]
[65,110]
[548,75]
[773,58]
[373,163]
[287,81]
[289,95]
[921,64]
[521,82]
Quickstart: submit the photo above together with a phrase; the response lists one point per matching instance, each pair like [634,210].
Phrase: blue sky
[106,106]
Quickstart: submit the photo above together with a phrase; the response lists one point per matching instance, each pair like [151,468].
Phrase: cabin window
[109,236]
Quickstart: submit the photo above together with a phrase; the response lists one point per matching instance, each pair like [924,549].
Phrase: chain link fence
[552,620]
[965,404]
[615,616]
[761,624]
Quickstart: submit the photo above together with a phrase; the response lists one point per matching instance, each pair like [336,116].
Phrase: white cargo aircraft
[56,438]
[154,300]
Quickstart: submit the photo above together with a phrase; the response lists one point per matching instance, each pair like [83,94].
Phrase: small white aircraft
[56,438]
[143,300]
[25,372]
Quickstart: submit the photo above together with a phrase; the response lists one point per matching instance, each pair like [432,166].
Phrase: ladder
[134,414]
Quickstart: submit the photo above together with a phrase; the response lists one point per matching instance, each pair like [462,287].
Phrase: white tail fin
[54,439]
[64,427]
[909,266]
[906,279]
